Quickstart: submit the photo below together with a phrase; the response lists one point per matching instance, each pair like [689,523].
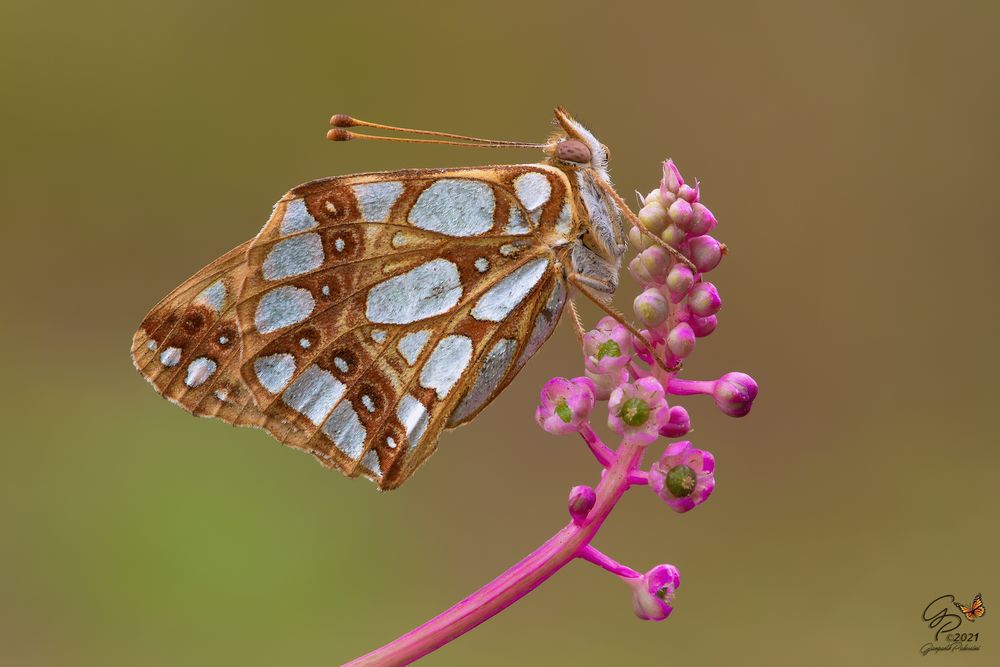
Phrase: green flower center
[608,348]
[562,409]
[666,594]
[634,412]
[681,481]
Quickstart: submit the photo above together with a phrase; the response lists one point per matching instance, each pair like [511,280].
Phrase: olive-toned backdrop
[849,151]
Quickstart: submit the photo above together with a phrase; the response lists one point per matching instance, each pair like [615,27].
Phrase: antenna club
[342,120]
[337,134]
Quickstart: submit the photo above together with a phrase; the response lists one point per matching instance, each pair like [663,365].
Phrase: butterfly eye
[573,150]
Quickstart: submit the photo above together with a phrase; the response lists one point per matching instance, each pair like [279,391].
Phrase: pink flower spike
[734,394]
[653,593]
[638,410]
[608,347]
[672,181]
[683,477]
[678,425]
[565,405]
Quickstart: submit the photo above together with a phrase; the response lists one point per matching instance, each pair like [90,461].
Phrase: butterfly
[976,610]
[375,310]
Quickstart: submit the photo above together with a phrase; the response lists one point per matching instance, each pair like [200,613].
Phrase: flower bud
[689,194]
[653,593]
[734,393]
[637,268]
[678,424]
[704,300]
[655,260]
[672,180]
[706,252]
[673,236]
[581,501]
[639,240]
[680,279]
[680,213]
[651,307]
[654,216]
[654,195]
[703,326]
[702,220]
[681,339]
[641,349]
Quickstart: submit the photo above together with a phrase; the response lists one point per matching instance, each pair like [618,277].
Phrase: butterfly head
[576,146]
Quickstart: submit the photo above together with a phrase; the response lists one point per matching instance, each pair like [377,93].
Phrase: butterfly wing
[378,309]
[188,346]
[977,605]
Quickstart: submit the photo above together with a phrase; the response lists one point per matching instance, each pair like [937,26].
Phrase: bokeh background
[849,150]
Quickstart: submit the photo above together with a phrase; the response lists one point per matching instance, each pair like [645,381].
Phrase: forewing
[378,309]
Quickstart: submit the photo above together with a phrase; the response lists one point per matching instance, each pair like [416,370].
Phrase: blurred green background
[849,151]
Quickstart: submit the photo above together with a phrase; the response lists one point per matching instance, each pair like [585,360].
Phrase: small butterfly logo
[976,610]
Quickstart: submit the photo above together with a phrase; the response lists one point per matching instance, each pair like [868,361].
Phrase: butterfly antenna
[342,121]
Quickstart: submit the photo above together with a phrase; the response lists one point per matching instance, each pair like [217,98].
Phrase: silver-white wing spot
[482,264]
[492,370]
[294,256]
[170,356]
[413,416]
[199,370]
[297,218]
[533,189]
[516,224]
[314,393]
[213,296]
[376,199]
[506,295]
[456,207]
[412,344]
[445,365]
[346,430]
[427,290]
[564,223]
[282,307]
[274,371]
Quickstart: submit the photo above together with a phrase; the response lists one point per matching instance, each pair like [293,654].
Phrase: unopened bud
[681,340]
[702,220]
[734,394]
[651,308]
[704,300]
[654,216]
[703,326]
[639,240]
[678,425]
[672,236]
[680,213]
[680,279]
[581,501]
[706,252]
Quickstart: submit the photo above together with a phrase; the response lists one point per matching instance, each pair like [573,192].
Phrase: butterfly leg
[584,284]
[634,219]
[577,323]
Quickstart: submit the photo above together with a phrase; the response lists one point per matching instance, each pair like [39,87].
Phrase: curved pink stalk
[516,582]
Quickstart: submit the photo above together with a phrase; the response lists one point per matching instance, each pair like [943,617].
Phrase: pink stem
[516,582]
[591,554]
[679,387]
[601,451]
